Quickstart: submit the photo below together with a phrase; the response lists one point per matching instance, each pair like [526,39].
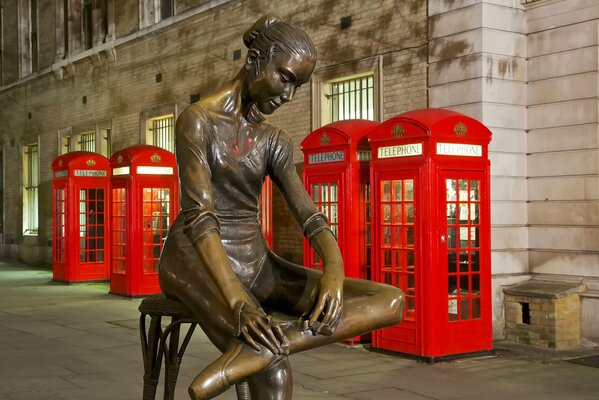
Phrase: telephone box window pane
[463,191]
[463,237]
[397,214]
[475,284]
[325,196]
[410,236]
[465,308]
[316,193]
[452,284]
[463,213]
[463,261]
[451,236]
[451,190]
[474,237]
[386,235]
[386,189]
[410,213]
[333,192]
[410,259]
[396,261]
[451,214]
[474,190]
[411,281]
[464,289]
[386,213]
[387,258]
[475,262]
[411,304]
[476,307]
[333,218]
[474,213]
[453,309]
[452,262]
[409,190]
[397,191]
[397,236]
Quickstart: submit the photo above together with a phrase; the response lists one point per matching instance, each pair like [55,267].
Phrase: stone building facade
[528,69]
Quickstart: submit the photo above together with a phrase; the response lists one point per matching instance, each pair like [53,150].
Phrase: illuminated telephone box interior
[80,187]
[431,231]
[145,202]
[336,176]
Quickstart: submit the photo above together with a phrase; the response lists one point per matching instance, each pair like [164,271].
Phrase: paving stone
[76,343]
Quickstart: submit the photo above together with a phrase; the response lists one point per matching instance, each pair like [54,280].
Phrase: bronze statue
[215,259]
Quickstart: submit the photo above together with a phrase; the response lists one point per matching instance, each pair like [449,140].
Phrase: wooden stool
[154,345]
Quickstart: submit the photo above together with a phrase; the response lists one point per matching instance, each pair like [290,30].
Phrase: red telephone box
[336,176]
[80,186]
[145,202]
[431,232]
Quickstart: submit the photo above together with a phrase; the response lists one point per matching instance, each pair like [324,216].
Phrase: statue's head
[281,57]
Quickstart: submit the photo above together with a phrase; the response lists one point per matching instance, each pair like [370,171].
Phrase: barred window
[351,98]
[87,141]
[30,189]
[162,132]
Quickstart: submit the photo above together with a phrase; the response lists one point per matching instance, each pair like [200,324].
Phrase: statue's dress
[220,190]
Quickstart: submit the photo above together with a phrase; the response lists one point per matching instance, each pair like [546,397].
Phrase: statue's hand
[329,303]
[256,329]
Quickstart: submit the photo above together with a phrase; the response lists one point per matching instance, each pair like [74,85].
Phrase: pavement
[79,342]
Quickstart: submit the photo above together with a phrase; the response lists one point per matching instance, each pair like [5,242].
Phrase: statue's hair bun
[262,25]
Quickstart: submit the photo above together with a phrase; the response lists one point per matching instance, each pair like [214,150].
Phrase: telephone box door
[398,252]
[325,192]
[463,260]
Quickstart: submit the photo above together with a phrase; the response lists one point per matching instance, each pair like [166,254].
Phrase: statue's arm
[202,229]
[329,302]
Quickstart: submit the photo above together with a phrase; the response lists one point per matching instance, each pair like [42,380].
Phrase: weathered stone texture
[194,55]
[549,319]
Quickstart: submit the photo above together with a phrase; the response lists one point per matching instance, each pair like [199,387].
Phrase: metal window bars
[352,99]
[163,134]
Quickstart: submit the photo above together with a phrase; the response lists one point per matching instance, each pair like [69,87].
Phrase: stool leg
[152,360]
[172,361]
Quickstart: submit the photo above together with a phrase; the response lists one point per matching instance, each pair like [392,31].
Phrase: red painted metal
[144,204]
[431,230]
[336,176]
[80,225]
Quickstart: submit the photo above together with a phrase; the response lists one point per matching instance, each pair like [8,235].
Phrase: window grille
[30,186]
[87,141]
[352,98]
[163,134]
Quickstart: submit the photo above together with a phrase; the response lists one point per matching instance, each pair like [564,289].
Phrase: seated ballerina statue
[215,259]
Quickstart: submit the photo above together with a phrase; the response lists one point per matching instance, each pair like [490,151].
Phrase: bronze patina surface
[215,260]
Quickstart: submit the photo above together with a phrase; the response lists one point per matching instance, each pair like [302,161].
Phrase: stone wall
[194,53]
[477,66]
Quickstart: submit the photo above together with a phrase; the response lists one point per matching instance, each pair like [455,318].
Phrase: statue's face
[273,82]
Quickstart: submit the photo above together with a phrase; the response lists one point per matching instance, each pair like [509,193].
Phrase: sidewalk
[78,342]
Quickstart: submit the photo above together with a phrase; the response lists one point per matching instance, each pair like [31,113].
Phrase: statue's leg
[286,287]
[183,277]
[274,383]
